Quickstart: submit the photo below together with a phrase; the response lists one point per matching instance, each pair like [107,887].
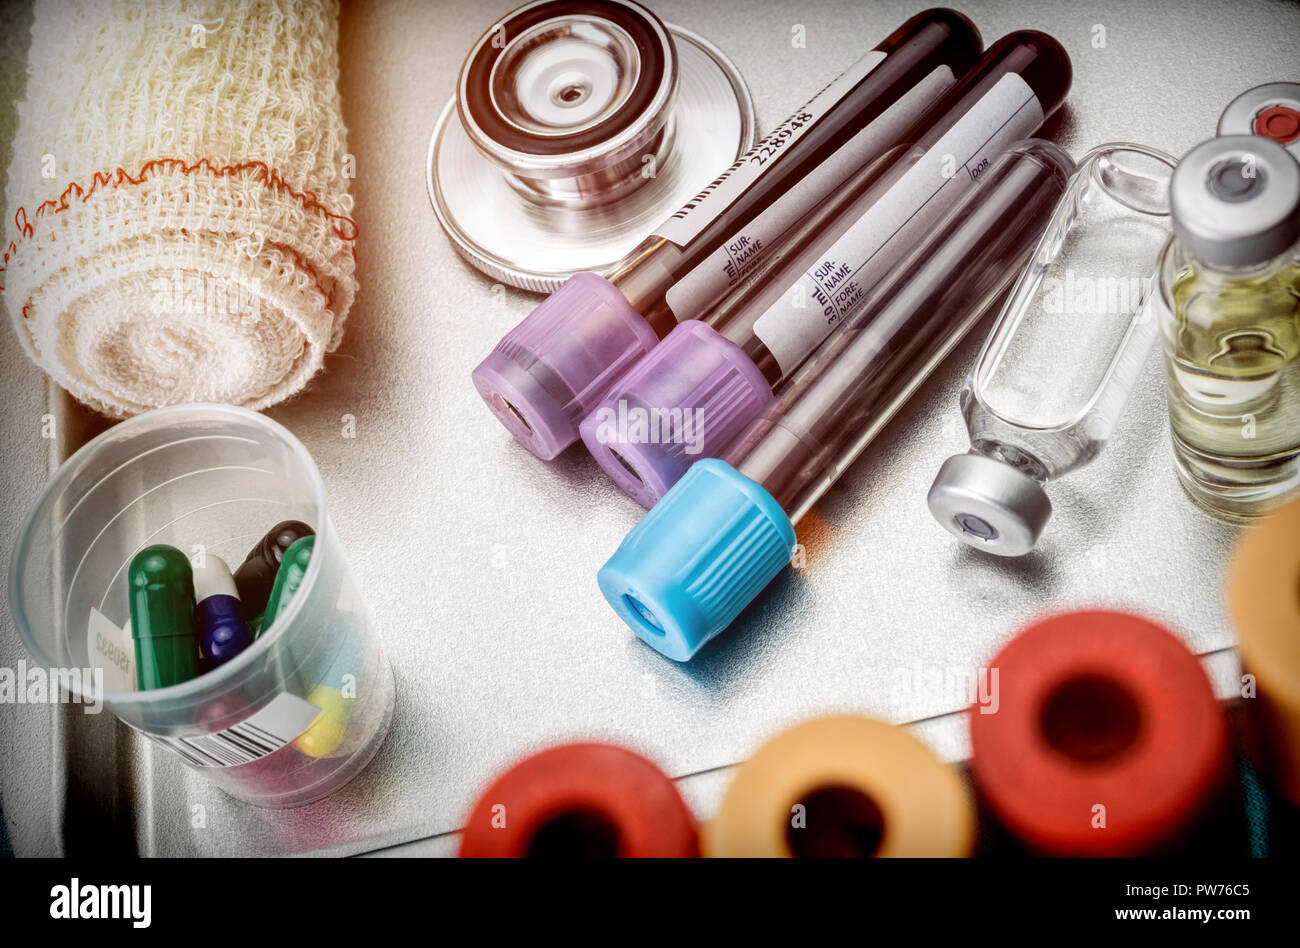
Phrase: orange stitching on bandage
[345,228]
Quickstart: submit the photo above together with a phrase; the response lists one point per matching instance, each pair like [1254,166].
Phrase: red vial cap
[1280,123]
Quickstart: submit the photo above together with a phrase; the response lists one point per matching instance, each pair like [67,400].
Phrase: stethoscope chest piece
[577,127]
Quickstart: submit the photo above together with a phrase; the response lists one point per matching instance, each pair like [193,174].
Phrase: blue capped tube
[725,530]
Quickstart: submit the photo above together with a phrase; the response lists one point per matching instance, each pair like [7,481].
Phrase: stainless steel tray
[478,561]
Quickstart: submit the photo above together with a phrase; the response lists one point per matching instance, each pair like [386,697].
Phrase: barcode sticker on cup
[283,720]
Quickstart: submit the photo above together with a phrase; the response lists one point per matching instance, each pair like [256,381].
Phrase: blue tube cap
[697,559]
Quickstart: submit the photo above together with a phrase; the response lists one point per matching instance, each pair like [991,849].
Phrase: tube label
[691,296]
[726,189]
[837,284]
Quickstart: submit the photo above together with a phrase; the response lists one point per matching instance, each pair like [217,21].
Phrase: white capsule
[212,577]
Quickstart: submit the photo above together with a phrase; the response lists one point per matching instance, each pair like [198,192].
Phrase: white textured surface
[28,786]
[478,561]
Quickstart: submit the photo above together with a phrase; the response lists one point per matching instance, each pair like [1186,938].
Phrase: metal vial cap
[989,505]
[1235,200]
[1271,110]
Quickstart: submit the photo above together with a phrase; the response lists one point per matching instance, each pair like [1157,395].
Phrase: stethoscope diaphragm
[577,127]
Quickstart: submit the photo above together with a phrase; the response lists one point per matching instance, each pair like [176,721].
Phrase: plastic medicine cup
[210,479]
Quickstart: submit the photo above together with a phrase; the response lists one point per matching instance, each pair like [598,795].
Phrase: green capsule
[293,567]
[162,617]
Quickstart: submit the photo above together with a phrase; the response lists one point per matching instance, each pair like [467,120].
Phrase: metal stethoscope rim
[536,242]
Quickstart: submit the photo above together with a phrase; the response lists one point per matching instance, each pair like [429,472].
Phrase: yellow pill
[326,732]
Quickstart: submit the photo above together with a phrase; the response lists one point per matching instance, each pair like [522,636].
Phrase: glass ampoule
[1054,375]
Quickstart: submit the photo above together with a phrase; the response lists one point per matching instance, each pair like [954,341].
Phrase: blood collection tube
[1107,740]
[708,380]
[727,528]
[548,372]
[581,800]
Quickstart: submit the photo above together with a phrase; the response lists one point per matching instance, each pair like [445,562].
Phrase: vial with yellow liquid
[1230,288]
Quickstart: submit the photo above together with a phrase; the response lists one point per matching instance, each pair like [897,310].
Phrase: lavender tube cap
[551,370]
[689,399]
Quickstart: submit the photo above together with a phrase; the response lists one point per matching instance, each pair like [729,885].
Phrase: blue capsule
[224,631]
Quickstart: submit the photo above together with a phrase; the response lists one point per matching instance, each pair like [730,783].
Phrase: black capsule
[256,575]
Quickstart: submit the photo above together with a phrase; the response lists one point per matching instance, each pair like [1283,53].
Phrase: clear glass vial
[1230,318]
[1056,371]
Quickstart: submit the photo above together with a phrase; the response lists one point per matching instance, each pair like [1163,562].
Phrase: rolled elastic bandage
[177,211]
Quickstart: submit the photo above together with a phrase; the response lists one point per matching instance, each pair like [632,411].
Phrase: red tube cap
[589,800]
[1104,737]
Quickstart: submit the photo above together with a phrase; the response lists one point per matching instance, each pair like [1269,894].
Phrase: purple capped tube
[700,388]
[726,529]
[547,374]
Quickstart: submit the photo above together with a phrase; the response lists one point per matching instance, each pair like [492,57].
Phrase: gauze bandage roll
[177,225]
